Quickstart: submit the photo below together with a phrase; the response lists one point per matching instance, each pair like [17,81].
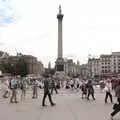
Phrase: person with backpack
[53,87]
[47,92]
[116,106]
[84,90]
[23,88]
[13,86]
[90,90]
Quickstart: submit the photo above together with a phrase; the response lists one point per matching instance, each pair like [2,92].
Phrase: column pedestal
[60,67]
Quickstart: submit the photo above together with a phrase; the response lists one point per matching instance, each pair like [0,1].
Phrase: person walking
[108,89]
[53,87]
[13,86]
[67,84]
[72,84]
[6,89]
[117,107]
[47,92]
[35,94]
[23,88]
[84,90]
[77,83]
[90,90]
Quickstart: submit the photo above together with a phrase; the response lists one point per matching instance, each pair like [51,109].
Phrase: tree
[17,67]
[1,53]
[22,67]
[6,67]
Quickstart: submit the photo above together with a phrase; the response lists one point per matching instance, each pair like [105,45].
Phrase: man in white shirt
[108,89]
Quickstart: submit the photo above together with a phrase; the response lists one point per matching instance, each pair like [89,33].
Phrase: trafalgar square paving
[69,106]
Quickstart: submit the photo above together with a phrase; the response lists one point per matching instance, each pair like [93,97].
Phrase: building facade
[34,66]
[105,66]
[93,67]
[84,71]
[115,63]
[71,68]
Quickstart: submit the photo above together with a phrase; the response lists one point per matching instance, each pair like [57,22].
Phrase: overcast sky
[89,27]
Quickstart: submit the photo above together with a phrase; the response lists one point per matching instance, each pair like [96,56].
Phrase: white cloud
[89,27]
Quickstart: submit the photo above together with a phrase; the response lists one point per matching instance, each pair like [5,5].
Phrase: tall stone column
[60,61]
[60,47]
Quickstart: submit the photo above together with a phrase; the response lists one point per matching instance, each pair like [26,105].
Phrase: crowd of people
[50,85]
[10,87]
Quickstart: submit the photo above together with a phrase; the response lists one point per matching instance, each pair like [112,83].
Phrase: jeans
[110,96]
[54,89]
[47,93]
[92,94]
[13,95]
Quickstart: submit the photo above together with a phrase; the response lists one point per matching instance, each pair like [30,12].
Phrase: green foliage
[18,67]
[22,67]
[1,53]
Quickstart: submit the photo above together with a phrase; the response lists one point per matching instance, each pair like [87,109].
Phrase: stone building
[105,64]
[93,67]
[84,71]
[71,68]
[115,63]
[34,66]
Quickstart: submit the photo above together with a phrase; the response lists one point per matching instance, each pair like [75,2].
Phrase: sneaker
[11,102]
[5,96]
[16,101]
[112,102]
[88,99]
[93,98]
[111,117]
[44,105]
[53,104]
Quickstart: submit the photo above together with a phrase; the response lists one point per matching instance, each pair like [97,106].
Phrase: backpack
[10,85]
[21,86]
[116,106]
[13,85]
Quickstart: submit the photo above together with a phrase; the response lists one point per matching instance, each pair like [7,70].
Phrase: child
[84,90]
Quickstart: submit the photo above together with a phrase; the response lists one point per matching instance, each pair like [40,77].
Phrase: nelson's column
[60,61]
